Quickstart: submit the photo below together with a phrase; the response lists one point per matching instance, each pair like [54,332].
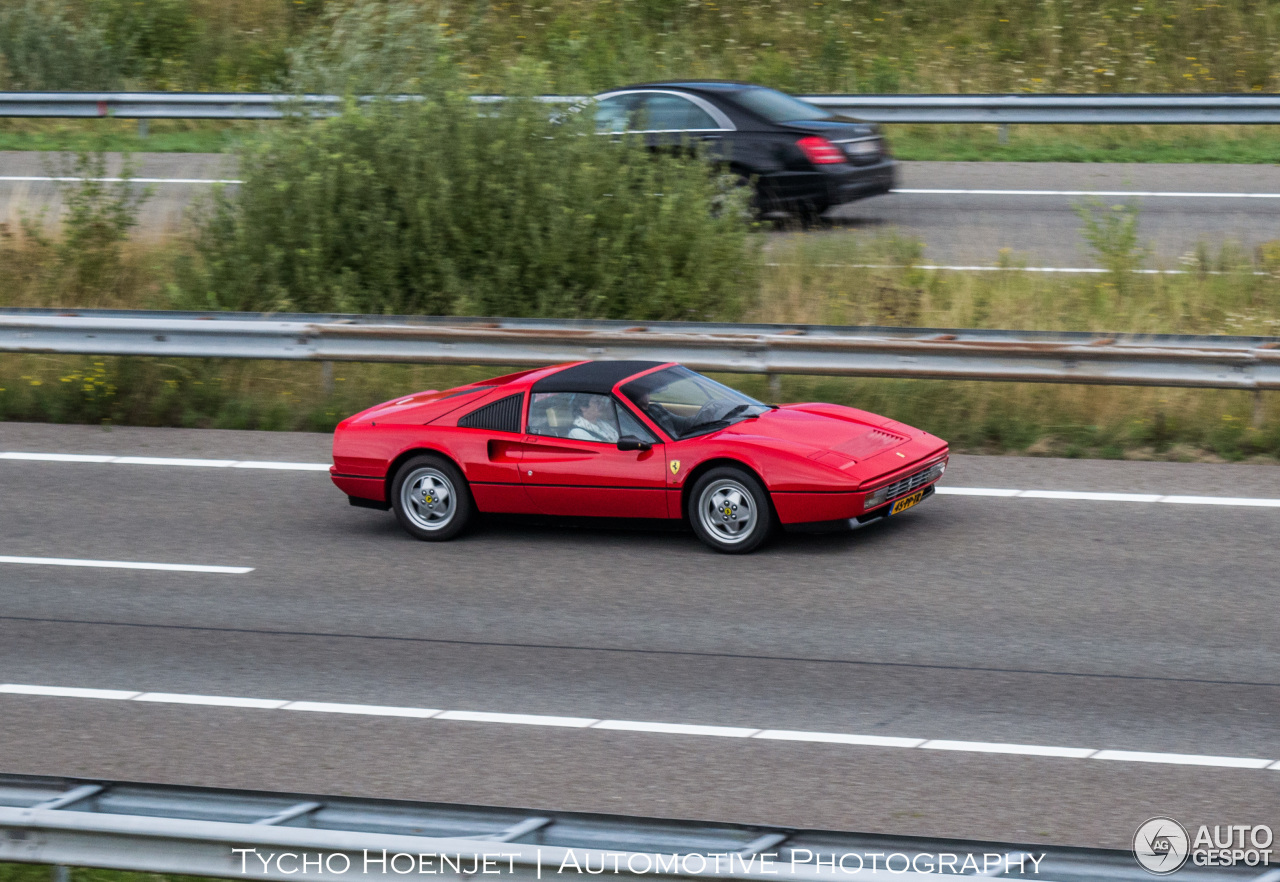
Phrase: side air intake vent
[502,415]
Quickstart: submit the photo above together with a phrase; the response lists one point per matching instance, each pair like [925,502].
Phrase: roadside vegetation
[42,873]
[809,278]
[435,207]
[967,143]
[583,46]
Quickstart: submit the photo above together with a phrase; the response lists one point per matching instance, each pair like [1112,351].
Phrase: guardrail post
[1002,135]
[1258,411]
[59,873]
[326,378]
[775,385]
[142,128]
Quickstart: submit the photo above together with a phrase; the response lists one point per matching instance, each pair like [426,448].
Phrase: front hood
[814,428]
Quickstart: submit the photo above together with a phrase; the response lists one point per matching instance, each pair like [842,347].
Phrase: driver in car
[592,422]
[656,412]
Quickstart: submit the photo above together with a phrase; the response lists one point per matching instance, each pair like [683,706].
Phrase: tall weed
[85,265]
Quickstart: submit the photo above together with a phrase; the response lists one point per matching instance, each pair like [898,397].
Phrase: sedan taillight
[820,151]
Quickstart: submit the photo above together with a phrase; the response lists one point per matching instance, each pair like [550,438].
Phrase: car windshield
[684,403]
[778,107]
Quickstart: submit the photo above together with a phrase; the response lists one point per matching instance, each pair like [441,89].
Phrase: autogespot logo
[1161,846]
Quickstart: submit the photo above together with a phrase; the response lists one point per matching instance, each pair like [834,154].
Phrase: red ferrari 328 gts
[630,439]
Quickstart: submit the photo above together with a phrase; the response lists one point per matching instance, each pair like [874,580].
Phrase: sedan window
[777,106]
[672,113]
[615,115]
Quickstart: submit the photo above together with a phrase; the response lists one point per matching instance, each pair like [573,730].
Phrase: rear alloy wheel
[730,511]
[431,498]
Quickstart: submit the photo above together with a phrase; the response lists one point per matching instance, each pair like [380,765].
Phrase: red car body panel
[819,462]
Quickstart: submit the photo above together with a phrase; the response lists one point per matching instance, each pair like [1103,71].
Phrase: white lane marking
[1221,500]
[124,565]
[169,461]
[1079,495]
[1089,496]
[975,491]
[68,692]
[1183,759]
[518,719]
[57,457]
[210,700]
[365,710]
[837,738]
[675,728]
[1110,194]
[905,191]
[54,179]
[984,268]
[655,728]
[1017,749]
[283,466]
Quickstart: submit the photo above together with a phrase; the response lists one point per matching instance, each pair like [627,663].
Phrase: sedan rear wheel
[730,511]
[431,498]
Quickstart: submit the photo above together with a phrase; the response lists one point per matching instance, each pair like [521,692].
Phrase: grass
[587,45]
[121,136]
[584,46]
[43,872]
[1028,143]
[951,143]
[813,279]
[806,284]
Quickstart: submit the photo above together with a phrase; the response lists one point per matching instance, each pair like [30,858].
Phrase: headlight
[876,499]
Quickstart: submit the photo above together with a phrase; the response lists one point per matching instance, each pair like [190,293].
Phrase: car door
[571,465]
[672,120]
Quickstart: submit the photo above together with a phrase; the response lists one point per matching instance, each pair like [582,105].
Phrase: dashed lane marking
[651,728]
[123,565]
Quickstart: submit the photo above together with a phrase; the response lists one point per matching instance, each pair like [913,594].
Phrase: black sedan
[802,159]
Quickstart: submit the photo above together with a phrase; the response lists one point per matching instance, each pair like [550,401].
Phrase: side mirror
[631,442]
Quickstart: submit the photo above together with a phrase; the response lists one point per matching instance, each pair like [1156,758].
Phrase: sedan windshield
[684,403]
[778,107]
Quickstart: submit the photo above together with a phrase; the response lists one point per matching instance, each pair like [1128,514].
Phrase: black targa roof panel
[593,376]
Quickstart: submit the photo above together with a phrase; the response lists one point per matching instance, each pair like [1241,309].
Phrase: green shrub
[86,264]
[43,46]
[439,207]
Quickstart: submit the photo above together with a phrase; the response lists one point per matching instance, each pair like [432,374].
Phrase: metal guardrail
[198,831]
[1203,109]
[1249,363]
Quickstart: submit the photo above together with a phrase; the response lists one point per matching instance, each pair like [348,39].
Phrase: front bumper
[845,525]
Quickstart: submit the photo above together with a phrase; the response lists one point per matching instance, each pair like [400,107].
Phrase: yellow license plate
[906,502]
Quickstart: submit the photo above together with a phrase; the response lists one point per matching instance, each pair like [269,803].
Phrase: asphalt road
[1123,626]
[957,228]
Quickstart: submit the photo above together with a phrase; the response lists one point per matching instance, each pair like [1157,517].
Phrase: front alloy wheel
[431,498]
[730,511]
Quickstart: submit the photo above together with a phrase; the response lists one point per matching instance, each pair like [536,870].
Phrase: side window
[582,416]
[629,425]
[614,115]
[667,113]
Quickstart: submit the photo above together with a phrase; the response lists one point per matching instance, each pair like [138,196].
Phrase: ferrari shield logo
[675,466]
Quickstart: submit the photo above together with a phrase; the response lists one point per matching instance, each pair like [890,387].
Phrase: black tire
[716,505]
[810,217]
[446,507]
